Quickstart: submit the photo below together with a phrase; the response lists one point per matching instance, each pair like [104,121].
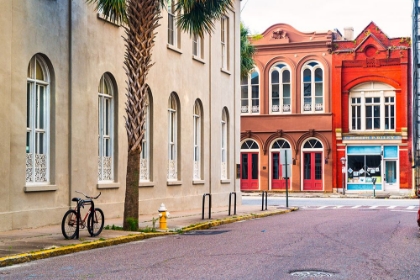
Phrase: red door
[312,171]
[249,171]
[277,181]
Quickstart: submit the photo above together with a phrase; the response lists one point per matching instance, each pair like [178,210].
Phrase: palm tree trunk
[142,20]
[131,205]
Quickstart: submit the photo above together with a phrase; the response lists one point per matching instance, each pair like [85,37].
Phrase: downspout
[210,113]
[70,81]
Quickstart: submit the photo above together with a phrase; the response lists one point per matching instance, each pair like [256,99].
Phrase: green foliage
[198,17]
[147,229]
[133,224]
[247,53]
[113,227]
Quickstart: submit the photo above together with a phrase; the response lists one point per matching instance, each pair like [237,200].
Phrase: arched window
[145,158]
[37,121]
[250,94]
[312,87]
[172,138]
[280,89]
[224,144]
[197,134]
[372,107]
[105,128]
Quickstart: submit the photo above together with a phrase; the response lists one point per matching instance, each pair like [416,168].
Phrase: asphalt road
[337,244]
[316,201]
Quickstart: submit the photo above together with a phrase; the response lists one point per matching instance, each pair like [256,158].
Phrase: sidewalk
[18,246]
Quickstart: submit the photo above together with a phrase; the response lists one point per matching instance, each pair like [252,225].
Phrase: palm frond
[113,10]
[198,16]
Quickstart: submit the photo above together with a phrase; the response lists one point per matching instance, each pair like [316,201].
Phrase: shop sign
[373,137]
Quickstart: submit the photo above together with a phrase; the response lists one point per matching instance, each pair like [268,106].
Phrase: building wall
[71,38]
[283,43]
[373,58]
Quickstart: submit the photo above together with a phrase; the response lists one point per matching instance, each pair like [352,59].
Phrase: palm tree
[141,18]
[247,53]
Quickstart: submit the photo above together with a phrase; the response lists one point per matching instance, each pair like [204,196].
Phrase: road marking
[322,207]
[411,207]
[339,206]
[373,207]
[357,206]
[392,207]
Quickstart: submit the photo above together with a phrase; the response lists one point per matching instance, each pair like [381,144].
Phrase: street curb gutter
[59,251]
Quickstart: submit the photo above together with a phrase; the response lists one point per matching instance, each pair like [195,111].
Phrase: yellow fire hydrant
[163,214]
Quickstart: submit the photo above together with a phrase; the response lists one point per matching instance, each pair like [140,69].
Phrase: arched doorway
[249,165]
[312,165]
[277,176]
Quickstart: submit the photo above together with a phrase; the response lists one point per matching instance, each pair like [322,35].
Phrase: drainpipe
[210,114]
[70,81]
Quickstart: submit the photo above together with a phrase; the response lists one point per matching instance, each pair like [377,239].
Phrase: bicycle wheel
[96,222]
[69,224]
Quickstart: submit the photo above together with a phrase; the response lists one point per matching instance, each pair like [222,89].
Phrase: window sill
[173,48]
[40,188]
[198,59]
[146,184]
[107,185]
[102,17]
[173,183]
[225,181]
[225,71]
[198,182]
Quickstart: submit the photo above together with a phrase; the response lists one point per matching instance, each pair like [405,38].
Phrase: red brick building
[371,109]
[286,106]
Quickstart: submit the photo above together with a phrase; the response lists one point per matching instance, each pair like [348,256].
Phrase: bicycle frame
[81,203]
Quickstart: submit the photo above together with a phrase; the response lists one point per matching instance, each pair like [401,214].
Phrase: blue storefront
[367,163]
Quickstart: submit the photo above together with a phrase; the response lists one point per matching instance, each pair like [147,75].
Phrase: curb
[69,249]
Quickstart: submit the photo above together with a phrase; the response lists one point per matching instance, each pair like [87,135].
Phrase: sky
[393,17]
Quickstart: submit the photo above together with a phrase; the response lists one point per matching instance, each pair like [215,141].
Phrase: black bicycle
[95,218]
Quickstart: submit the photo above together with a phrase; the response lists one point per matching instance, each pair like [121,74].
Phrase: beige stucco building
[69,62]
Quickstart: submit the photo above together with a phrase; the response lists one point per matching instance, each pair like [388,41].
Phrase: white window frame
[313,107]
[197,134]
[281,108]
[145,156]
[173,29]
[197,46]
[172,138]
[249,108]
[224,40]
[38,123]
[372,90]
[224,145]
[105,129]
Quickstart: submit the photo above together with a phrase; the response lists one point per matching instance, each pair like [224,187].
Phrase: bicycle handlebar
[90,197]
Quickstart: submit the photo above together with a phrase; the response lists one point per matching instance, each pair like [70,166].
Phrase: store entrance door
[390,176]
[249,171]
[277,182]
[312,171]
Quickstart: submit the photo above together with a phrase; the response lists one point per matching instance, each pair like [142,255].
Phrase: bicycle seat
[76,199]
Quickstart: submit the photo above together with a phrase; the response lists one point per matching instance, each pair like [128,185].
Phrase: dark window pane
[275,166]
[254,166]
[286,76]
[307,166]
[244,166]
[274,77]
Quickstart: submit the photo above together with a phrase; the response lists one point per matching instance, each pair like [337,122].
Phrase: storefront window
[362,168]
